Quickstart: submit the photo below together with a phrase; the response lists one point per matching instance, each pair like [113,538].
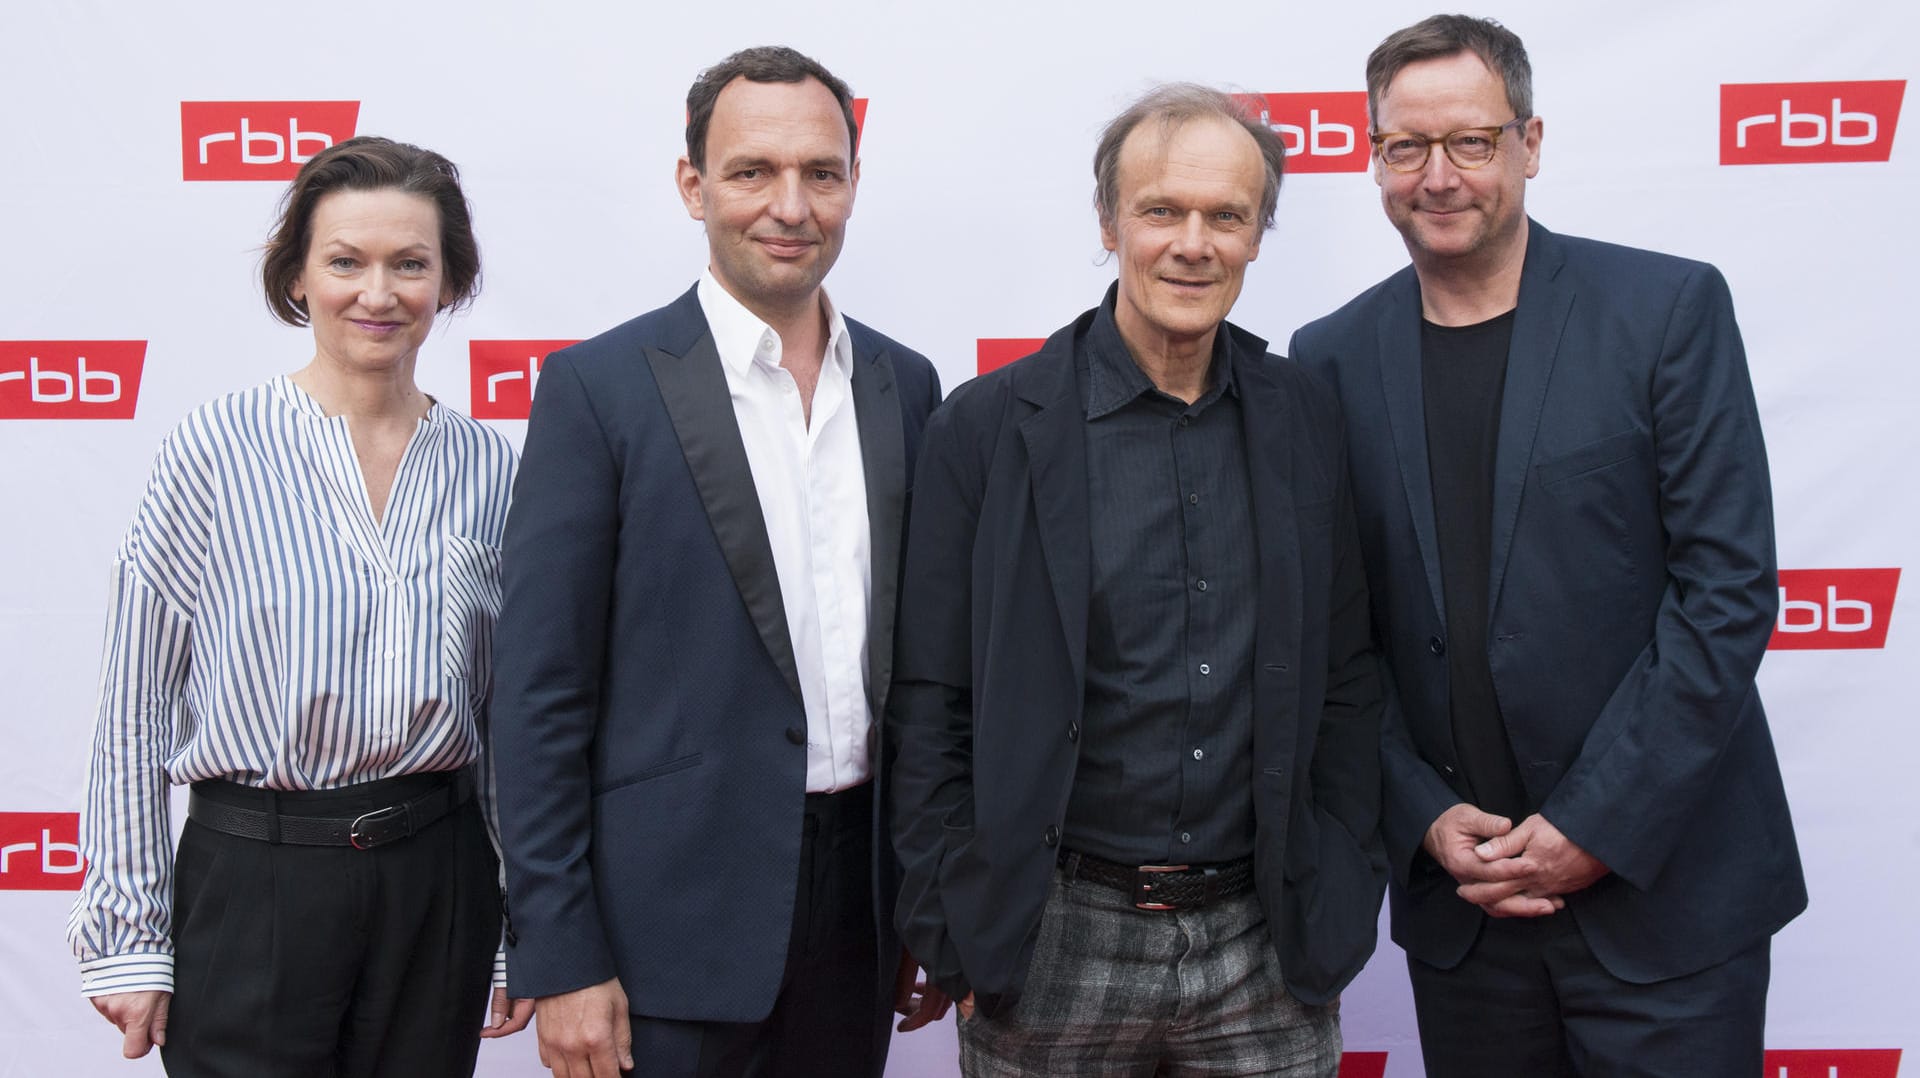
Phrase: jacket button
[1052,837]
[1073,731]
[1436,645]
[796,735]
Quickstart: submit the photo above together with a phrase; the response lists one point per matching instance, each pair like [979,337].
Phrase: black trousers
[1531,999]
[831,1016]
[327,961]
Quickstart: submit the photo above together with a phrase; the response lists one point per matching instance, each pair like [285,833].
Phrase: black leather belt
[1163,887]
[366,831]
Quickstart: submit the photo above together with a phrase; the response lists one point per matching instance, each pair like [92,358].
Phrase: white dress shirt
[813,495]
[264,628]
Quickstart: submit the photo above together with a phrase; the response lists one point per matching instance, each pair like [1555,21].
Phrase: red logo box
[1783,123]
[1834,609]
[1834,1063]
[1363,1065]
[992,353]
[1324,132]
[40,851]
[505,374]
[259,140]
[70,379]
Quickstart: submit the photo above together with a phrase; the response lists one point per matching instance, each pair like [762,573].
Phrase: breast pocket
[469,605]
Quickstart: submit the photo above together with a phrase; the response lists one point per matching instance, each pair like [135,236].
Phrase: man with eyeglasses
[1567,527]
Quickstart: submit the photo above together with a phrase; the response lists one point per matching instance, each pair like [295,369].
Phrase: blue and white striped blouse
[266,629]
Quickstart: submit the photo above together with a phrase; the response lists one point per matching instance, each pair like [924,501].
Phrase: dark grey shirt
[1165,772]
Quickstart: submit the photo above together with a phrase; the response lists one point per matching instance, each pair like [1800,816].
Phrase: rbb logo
[1780,123]
[70,379]
[992,353]
[259,140]
[1363,1065]
[1323,132]
[1834,1063]
[40,851]
[1834,608]
[505,374]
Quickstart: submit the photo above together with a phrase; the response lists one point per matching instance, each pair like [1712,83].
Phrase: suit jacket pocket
[1315,514]
[657,771]
[1591,457]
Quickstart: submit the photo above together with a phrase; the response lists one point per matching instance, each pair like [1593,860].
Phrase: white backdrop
[973,221]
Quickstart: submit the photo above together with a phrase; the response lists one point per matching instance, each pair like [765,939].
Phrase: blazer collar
[1546,299]
[1540,318]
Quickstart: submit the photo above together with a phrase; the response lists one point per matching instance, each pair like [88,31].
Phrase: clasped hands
[1509,871]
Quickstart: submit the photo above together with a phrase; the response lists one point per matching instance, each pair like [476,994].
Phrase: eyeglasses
[1469,147]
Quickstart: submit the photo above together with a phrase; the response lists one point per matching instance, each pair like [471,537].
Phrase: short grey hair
[1173,105]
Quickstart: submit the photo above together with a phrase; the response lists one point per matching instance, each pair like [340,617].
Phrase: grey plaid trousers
[1116,991]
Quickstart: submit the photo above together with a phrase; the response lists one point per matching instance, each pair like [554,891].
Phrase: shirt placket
[1203,673]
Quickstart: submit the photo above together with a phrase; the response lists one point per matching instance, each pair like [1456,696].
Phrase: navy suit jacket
[1631,596]
[991,668]
[650,793]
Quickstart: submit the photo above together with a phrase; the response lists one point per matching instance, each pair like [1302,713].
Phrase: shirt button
[796,735]
[1205,669]
[1197,754]
[1185,837]
[1073,731]
[1193,499]
[1436,645]
[1202,585]
[1052,837]
[388,654]
[1186,421]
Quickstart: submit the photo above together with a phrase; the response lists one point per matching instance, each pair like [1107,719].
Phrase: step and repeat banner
[144,147]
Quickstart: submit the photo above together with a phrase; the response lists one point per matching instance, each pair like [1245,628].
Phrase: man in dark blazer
[701,567]
[1137,713]
[1565,509]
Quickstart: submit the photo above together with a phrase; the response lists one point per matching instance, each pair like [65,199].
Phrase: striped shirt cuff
[500,968]
[149,971]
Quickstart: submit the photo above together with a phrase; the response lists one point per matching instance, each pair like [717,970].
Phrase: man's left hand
[506,1015]
[916,997]
[1560,866]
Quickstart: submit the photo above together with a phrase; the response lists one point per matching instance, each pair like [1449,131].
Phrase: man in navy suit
[1568,530]
[1138,710]
[701,568]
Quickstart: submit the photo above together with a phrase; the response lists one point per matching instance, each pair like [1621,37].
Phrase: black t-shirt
[1463,373]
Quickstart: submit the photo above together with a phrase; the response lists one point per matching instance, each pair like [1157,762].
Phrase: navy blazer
[650,794]
[1631,595]
[991,668]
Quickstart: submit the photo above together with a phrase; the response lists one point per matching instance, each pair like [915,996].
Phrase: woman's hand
[141,1016]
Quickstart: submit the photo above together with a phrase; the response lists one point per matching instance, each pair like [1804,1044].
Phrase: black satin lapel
[883,457]
[694,388]
[1399,355]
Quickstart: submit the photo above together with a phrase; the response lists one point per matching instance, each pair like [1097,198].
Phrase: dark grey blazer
[991,668]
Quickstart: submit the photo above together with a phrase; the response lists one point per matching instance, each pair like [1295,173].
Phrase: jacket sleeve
[1658,741]
[549,654]
[930,717]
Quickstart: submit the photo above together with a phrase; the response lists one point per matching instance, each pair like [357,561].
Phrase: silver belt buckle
[366,831]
